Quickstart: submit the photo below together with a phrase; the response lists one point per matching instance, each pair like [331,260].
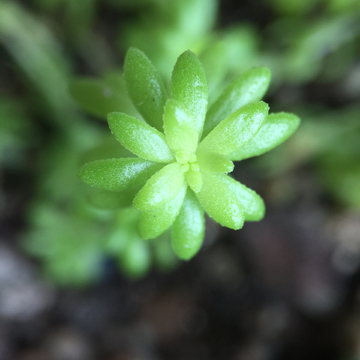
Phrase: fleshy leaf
[188,228]
[140,138]
[247,88]
[194,179]
[253,205]
[219,202]
[155,223]
[145,87]
[118,174]
[135,259]
[189,87]
[214,162]
[237,129]
[276,129]
[160,188]
[99,97]
[179,127]
[104,199]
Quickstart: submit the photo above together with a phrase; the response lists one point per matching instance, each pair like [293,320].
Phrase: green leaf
[276,129]
[160,188]
[104,199]
[189,228]
[189,87]
[118,174]
[214,162]
[135,260]
[140,138]
[253,205]
[236,130]
[219,202]
[100,97]
[247,88]
[193,178]
[155,223]
[179,127]
[145,87]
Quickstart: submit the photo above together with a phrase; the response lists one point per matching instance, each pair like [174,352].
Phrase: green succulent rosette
[185,151]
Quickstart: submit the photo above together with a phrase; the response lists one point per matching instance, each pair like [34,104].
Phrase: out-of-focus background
[77,283]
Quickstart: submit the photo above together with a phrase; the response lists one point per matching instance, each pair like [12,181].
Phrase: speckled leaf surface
[214,162]
[160,188]
[276,129]
[140,138]
[155,223]
[189,87]
[118,174]
[145,87]
[188,228]
[180,128]
[253,205]
[245,89]
[219,202]
[237,129]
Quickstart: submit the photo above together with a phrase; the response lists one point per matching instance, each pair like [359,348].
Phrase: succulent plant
[185,151]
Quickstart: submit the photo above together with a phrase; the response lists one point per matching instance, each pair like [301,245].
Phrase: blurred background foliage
[61,73]
[285,288]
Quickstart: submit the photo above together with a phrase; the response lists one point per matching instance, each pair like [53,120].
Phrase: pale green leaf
[194,179]
[214,162]
[118,174]
[276,129]
[219,202]
[160,188]
[253,205]
[140,138]
[155,223]
[236,130]
[145,87]
[188,228]
[179,127]
[189,87]
[135,259]
[245,89]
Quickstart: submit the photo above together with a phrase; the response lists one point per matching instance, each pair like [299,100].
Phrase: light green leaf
[155,223]
[160,188]
[179,127]
[188,228]
[145,87]
[253,205]
[219,202]
[214,162]
[236,130]
[140,138]
[276,129]
[118,174]
[189,87]
[135,259]
[245,89]
[194,178]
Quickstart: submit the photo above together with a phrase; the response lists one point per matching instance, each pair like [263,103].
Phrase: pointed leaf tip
[237,129]
[140,138]
[189,228]
[277,128]
[245,89]
[189,87]
[145,87]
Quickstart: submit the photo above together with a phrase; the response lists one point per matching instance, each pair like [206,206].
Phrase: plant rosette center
[185,150]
